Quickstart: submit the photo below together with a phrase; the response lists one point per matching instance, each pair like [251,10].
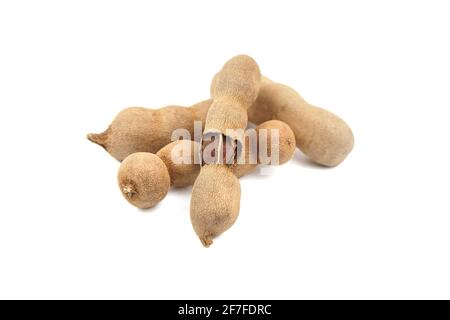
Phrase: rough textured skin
[247,161]
[286,141]
[143,179]
[239,79]
[322,136]
[181,174]
[225,114]
[215,202]
[233,90]
[285,149]
[138,129]
[216,193]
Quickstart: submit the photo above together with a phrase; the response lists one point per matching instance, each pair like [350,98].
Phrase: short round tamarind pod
[138,129]
[183,161]
[324,137]
[143,179]
[277,139]
[261,147]
[215,202]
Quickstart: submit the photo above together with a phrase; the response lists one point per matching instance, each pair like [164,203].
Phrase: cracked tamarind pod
[233,90]
[321,135]
[216,193]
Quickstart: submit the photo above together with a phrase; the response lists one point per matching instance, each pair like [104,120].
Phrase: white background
[377,226]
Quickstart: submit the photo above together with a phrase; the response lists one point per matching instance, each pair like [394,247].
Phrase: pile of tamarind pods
[141,139]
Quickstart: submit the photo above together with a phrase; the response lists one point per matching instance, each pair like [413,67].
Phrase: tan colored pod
[233,90]
[143,179]
[138,129]
[216,193]
[239,80]
[247,160]
[215,202]
[182,159]
[322,136]
[263,135]
[284,146]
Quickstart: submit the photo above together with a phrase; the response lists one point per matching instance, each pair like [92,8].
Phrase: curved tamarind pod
[324,137]
[138,129]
